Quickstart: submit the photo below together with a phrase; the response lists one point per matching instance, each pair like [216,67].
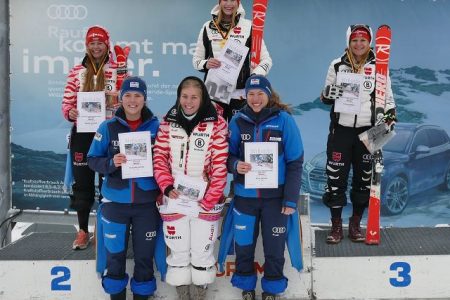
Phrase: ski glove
[390,117]
[121,64]
[332,92]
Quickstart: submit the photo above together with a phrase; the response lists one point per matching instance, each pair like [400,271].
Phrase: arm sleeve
[161,158]
[98,158]
[70,93]
[331,79]
[233,147]
[293,149]
[265,64]
[218,170]
[199,60]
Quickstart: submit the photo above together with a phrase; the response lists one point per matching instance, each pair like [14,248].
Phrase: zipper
[187,155]
[180,164]
[258,191]
[132,190]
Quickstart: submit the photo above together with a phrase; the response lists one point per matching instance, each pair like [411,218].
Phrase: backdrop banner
[47,39]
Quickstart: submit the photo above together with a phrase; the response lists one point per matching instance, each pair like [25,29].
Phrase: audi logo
[279,230]
[245,136]
[367,156]
[67,12]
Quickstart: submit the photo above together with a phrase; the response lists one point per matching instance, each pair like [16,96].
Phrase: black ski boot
[119,296]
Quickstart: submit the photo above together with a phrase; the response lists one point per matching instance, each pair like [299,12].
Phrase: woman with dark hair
[344,149]
[264,119]
[192,142]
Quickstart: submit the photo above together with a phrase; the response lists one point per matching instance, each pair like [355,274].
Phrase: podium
[409,263]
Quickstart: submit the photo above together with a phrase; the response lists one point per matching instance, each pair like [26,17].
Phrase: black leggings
[83,188]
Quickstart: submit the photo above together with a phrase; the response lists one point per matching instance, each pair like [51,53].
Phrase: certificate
[350,101]
[221,82]
[263,157]
[91,111]
[138,150]
[232,58]
[376,137]
[191,192]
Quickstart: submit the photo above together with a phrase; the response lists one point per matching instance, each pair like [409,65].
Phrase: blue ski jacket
[270,125]
[100,159]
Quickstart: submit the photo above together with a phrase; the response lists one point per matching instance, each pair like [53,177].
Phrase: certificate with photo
[91,108]
[263,156]
[350,101]
[221,82]
[191,192]
[138,150]
[232,58]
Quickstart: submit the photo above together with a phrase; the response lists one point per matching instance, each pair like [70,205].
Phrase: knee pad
[245,283]
[179,276]
[274,286]
[202,276]
[114,286]
[360,198]
[333,200]
[145,288]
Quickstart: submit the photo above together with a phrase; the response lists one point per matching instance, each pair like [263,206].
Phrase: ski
[382,51]
[259,18]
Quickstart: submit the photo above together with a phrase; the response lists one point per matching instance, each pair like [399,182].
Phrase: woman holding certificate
[228,22]
[127,202]
[266,157]
[349,89]
[86,79]
[189,162]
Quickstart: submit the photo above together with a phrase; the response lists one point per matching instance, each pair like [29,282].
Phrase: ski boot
[119,296]
[199,292]
[336,234]
[269,296]
[183,292]
[248,295]
[354,230]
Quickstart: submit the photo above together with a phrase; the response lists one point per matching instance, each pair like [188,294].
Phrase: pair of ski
[382,49]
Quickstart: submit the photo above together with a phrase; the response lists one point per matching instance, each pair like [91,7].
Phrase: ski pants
[117,219]
[83,187]
[191,242]
[345,150]
[248,214]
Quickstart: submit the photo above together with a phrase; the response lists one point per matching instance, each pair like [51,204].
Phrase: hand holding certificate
[138,150]
[221,81]
[91,110]
[190,191]
[263,156]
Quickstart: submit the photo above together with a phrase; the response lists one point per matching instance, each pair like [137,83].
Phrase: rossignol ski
[382,49]
[259,18]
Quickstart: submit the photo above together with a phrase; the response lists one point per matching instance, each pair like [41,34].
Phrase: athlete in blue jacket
[264,119]
[126,202]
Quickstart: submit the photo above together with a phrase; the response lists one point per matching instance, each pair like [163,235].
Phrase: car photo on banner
[415,160]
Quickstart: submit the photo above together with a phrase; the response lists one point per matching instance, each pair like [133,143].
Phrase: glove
[332,92]
[390,117]
[121,64]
